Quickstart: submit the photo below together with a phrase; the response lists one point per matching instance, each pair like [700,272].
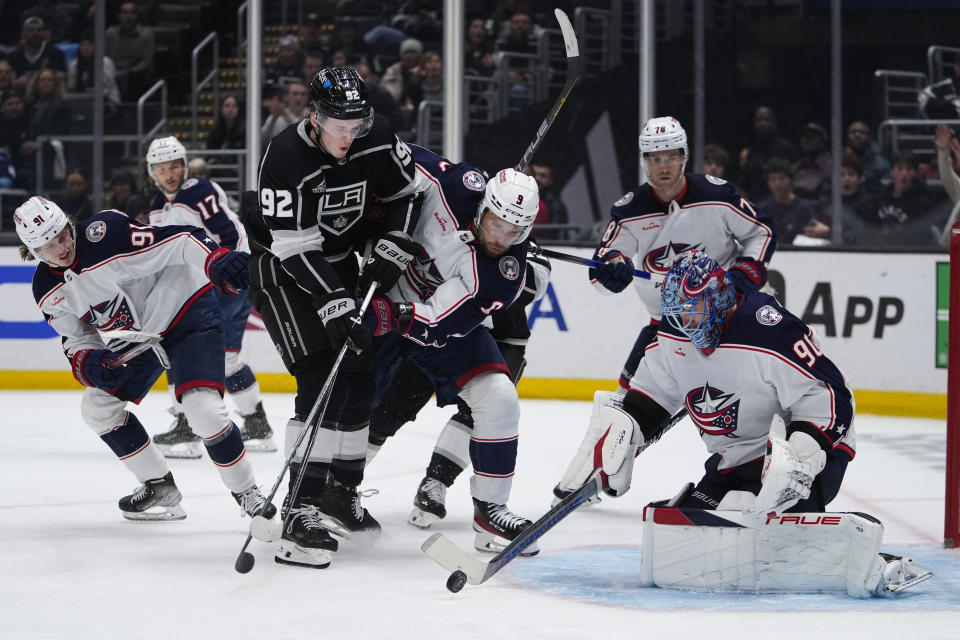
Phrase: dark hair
[716,154]
[778,165]
[124,177]
[904,156]
[853,163]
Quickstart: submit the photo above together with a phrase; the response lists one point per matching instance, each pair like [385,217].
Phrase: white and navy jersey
[201,203]
[126,276]
[768,361]
[708,215]
[454,286]
[312,205]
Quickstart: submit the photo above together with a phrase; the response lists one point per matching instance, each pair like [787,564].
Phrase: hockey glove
[384,315]
[341,319]
[616,274]
[228,270]
[789,469]
[747,273]
[390,257]
[96,368]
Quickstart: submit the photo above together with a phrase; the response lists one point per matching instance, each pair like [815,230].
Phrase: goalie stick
[573,74]
[467,568]
[587,262]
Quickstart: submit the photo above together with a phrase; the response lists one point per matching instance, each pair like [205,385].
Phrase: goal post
[951,511]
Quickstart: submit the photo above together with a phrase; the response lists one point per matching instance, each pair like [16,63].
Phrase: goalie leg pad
[733,551]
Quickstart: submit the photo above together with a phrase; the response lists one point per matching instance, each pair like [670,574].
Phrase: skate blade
[298,556]
[422,519]
[258,445]
[156,514]
[490,543]
[181,450]
[265,530]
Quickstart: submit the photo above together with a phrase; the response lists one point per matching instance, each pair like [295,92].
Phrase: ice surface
[72,567]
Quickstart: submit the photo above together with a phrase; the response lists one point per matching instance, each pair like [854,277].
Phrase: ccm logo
[821,520]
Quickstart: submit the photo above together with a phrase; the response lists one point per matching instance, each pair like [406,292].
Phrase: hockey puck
[244,562]
[455,582]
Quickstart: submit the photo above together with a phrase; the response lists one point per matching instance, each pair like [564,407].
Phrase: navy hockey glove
[384,315]
[390,257]
[747,273]
[228,270]
[341,319]
[616,274]
[97,368]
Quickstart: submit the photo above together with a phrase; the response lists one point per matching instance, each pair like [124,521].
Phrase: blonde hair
[59,89]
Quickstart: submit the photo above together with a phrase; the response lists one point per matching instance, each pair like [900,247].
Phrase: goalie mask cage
[951,517]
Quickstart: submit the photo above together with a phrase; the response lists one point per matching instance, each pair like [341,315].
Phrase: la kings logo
[339,208]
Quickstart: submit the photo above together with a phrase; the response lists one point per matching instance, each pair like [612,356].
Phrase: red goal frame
[951,506]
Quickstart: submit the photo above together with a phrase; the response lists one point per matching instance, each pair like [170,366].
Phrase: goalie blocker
[733,551]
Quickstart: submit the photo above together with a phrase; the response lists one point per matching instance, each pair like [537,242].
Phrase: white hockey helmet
[38,221]
[514,197]
[663,134]
[165,150]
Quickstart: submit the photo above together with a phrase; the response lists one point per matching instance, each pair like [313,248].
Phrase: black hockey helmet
[338,92]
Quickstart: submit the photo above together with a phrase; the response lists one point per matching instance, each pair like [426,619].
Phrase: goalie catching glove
[789,469]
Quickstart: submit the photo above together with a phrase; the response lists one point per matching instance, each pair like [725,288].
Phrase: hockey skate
[253,503]
[157,499]
[428,504]
[900,573]
[180,441]
[256,432]
[305,543]
[496,526]
[342,514]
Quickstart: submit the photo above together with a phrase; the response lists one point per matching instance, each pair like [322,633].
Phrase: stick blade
[569,35]
[448,555]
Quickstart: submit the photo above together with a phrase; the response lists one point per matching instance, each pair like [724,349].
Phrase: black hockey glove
[228,270]
[390,257]
[616,274]
[747,273]
[340,317]
[384,316]
[97,368]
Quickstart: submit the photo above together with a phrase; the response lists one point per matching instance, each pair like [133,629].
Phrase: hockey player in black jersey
[316,177]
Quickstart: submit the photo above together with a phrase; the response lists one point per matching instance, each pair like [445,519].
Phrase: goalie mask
[662,134]
[338,93]
[38,221]
[696,298]
[513,197]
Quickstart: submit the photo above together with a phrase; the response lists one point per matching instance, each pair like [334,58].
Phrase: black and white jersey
[312,205]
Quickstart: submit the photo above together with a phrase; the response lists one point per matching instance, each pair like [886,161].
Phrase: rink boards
[881,317]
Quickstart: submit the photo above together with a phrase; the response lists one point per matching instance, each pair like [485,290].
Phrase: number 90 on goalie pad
[610,444]
[732,551]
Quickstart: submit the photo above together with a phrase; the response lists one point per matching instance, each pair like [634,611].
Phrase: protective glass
[499,230]
[658,160]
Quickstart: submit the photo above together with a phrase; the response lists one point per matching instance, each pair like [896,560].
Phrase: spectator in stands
[310,41]
[715,161]
[76,202]
[80,74]
[858,204]
[519,35]
[7,76]
[908,213]
[14,135]
[35,52]
[792,216]
[229,129]
[948,158]
[56,18]
[876,167]
[339,58]
[131,47]
[312,63]
[519,38]
[401,78]
[767,144]
[289,63]
[812,169]
[552,209]
[419,20]
[381,100]
[347,38]
[284,110]
[198,168]
[431,77]
[7,173]
[478,49]
[123,188]
[82,19]
[45,95]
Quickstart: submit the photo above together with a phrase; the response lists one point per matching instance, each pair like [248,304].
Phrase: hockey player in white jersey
[113,276]
[474,238]
[201,203]
[675,211]
[740,364]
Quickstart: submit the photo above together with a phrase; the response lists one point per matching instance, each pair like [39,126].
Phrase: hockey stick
[467,568]
[573,74]
[265,529]
[587,262]
[144,340]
